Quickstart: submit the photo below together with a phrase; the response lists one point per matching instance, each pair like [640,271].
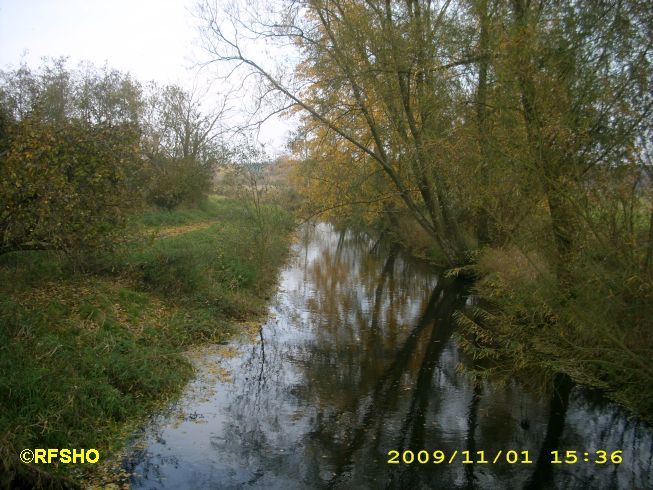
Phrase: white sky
[151,39]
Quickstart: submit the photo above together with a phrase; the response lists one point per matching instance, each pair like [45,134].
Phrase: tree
[67,182]
[583,79]
[181,145]
[336,180]
[484,117]
[247,173]
[107,96]
[372,75]
[57,93]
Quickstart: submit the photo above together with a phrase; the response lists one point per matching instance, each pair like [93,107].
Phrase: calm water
[357,359]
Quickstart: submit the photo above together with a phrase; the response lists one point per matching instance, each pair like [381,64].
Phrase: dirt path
[180,229]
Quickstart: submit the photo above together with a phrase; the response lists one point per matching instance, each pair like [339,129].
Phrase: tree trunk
[649,249]
[547,160]
[482,225]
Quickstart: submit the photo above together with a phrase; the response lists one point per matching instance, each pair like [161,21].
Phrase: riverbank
[86,355]
[521,325]
[598,333]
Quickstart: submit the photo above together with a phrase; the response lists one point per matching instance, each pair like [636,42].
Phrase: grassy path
[181,229]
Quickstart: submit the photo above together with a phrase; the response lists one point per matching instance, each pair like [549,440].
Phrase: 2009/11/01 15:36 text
[511,457]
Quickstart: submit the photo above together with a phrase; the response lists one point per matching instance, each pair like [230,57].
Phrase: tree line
[82,149]
[467,114]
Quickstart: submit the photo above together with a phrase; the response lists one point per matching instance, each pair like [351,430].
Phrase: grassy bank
[599,333]
[85,355]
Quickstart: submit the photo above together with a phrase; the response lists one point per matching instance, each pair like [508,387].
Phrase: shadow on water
[358,359]
[542,475]
[442,302]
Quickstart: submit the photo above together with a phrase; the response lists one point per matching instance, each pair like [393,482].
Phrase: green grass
[215,207]
[85,355]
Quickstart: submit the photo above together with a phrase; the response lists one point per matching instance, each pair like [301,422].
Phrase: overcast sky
[151,39]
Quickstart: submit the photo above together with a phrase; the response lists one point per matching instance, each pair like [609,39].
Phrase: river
[357,359]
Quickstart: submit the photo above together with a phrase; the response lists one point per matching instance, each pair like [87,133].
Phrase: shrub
[179,181]
[65,185]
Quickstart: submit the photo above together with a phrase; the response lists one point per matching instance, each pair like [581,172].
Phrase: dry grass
[513,265]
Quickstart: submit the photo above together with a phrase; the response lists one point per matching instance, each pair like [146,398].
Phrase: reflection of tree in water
[392,403]
[360,314]
[358,359]
[432,330]
[353,364]
[541,477]
[139,462]
[384,349]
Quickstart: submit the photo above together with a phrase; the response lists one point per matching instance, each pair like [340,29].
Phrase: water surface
[356,359]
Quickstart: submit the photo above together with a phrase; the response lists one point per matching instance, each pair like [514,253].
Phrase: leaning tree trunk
[547,160]
[482,225]
[649,248]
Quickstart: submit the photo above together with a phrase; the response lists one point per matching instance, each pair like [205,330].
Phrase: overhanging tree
[375,75]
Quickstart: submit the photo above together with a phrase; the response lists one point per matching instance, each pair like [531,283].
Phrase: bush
[66,185]
[174,182]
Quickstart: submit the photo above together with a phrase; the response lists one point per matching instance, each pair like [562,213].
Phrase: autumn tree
[56,93]
[107,96]
[486,118]
[566,122]
[374,76]
[582,73]
[66,182]
[335,180]
[65,186]
[181,144]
